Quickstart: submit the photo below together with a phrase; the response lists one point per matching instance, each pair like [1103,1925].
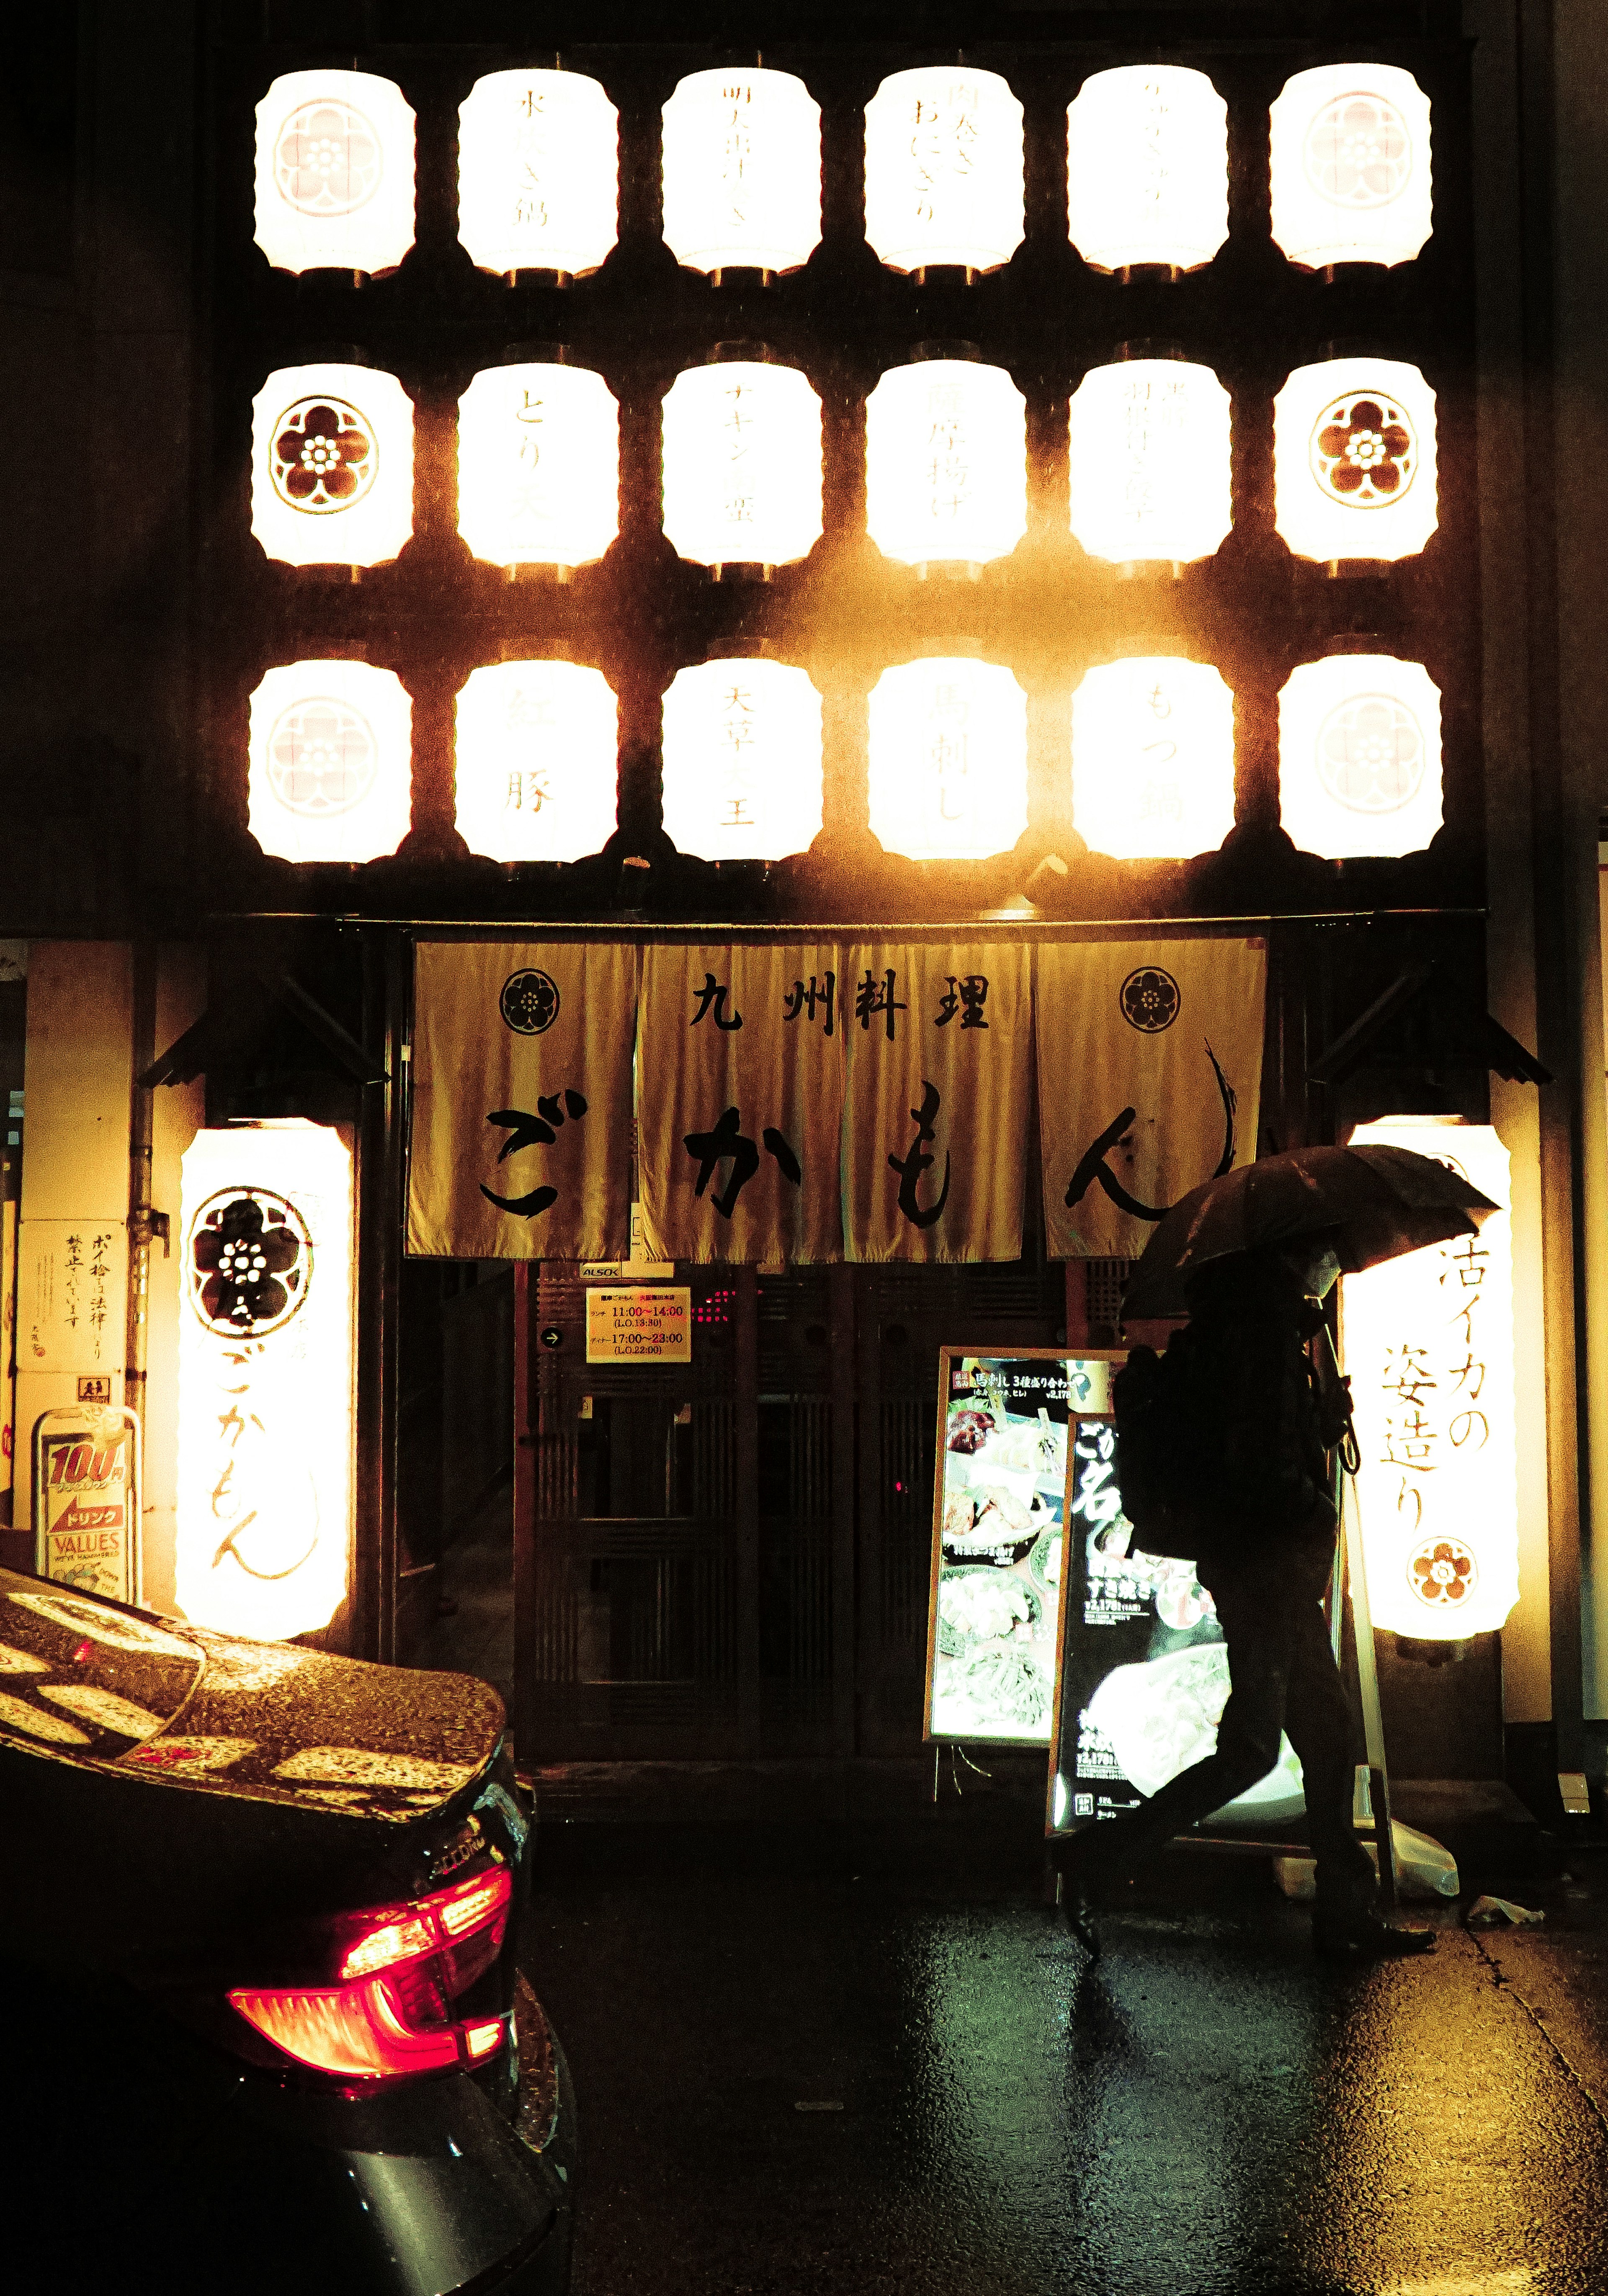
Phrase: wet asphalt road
[859,2062]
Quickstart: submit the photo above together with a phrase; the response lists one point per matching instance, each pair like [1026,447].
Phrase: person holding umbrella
[1239,1479]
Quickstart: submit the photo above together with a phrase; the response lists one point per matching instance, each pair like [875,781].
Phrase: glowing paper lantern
[741,171]
[539,465]
[946,462]
[741,760]
[330,776]
[1153,758]
[1429,1349]
[944,170]
[1150,460]
[741,463]
[334,172]
[1359,756]
[537,760]
[1350,155]
[538,172]
[332,465]
[1354,459]
[1147,167]
[265,1378]
[948,760]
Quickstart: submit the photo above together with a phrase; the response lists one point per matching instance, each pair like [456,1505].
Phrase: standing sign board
[998,1502]
[87,1499]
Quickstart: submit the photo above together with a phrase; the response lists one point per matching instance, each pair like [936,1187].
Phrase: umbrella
[1379,1202]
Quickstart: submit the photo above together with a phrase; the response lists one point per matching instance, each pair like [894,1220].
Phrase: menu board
[999,1493]
[1143,1672]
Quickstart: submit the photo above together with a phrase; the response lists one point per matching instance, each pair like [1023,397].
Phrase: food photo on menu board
[1000,1489]
[1144,1668]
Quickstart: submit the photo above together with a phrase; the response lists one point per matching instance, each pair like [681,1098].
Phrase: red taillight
[402,1968]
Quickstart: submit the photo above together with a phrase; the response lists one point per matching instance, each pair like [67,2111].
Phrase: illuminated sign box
[946,462]
[332,465]
[538,172]
[334,172]
[1147,167]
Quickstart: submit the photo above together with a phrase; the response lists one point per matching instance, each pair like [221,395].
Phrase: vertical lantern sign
[1351,161]
[944,170]
[265,1378]
[1354,459]
[1153,758]
[537,761]
[1150,462]
[741,760]
[330,776]
[1147,167]
[948,760]
[741,172]
[1359,756]
[332,465]
[334,172]
[741,464]
[539,465]
[538,172]
[1429,1351]
[946,462]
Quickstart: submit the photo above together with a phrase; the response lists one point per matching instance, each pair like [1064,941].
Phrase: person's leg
[1318,1718]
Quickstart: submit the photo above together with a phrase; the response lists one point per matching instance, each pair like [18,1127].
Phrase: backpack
[1159,1462]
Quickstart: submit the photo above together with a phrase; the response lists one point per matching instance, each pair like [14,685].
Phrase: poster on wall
[1143,1672]
[87,1499]
[998,1501]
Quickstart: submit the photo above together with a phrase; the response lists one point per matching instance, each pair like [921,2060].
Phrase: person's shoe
[1357,1935]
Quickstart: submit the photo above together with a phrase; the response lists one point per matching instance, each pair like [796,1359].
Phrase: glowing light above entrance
[537,761]
[743,760]
[331,762]
[538,172]
[946,462]
[1354,459]
[1351,157]
[332,465]
[1359,756]
[944,170]
[334,172]
[741,171]
[1153,758]
[948,760]
[539,465]
[1147,167]
[741,463]
[1150,462]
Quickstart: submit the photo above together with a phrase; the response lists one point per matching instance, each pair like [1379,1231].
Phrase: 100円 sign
[628,1325]
[87,1499]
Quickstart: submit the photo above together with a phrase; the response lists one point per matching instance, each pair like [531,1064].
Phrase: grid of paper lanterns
[1153,758]
[944,170]
[1350,163]
[332,465]
[538,464]
[538,172]
[949,777]
[741,463]
[1354,459]
[1150,460]
[538,770]
[1147,167]
[1359,756]
[334,172]
[946,462]
[741,760]
[741,171]
[330,777]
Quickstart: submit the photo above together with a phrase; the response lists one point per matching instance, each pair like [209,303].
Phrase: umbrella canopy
[1378,1202]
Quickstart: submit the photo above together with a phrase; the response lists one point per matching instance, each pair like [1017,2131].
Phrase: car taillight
[401,1971]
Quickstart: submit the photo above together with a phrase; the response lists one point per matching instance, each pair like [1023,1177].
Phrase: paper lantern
[944,170]
[948,760]
[742,761]
[946,462]
[1354,459]
[538,172]
[741,463]
[539,465]
[1350,159]
[334,172]
[1150,460]
[1429,1349]
[1359,756]
[265,1378]
[330,776]
[1147,167]
[741,172]
[537,761]
[1153,758]
[332,465]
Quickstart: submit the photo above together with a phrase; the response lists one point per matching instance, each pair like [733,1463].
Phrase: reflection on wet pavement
[1212,2111]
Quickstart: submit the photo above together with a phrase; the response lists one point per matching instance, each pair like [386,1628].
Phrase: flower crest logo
[1370,754]
[251,1262]
[1359,152]
[326,456]
[327,161]
[1443,1573]
[321,757]
[530,1002]
[1150,1000]
[1364,451]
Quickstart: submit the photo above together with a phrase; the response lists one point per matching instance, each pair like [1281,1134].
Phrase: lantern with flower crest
[1150,460]
[331,762]
[949,778]
[1153,758]
[741,462]
[334,172]
[1354,459]
[944,170]
[538,172]
[538,464]
[332,465]
[946,462]
[741,171]
[537,760]
[1350,165]
[741,760]
[1359,756]
[1147,167]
